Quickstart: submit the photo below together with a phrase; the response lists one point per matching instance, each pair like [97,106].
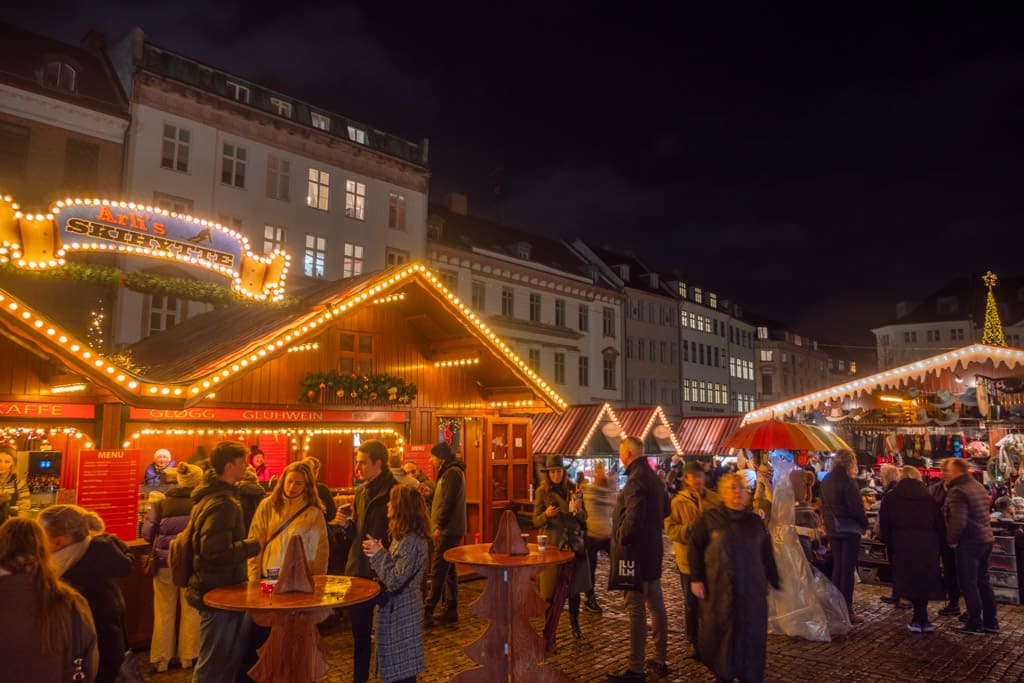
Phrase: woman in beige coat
[295,499]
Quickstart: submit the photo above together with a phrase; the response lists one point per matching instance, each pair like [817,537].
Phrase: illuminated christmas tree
[993,331]
[94,332]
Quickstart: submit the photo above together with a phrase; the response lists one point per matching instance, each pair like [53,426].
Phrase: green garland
[331,387]
[148,283]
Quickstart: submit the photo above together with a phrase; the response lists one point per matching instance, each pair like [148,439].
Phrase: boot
[574,616]
[591,604]
[428,616]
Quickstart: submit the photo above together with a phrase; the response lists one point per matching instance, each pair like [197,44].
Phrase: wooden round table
[509,650]
[294,652]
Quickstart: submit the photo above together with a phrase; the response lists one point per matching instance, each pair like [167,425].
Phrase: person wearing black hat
[448,519]
[561,515]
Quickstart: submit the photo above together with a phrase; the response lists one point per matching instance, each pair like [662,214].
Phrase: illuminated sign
[42,241]
[80,411]
[266,415]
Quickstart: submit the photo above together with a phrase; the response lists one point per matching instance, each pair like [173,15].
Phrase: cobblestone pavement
[881,649]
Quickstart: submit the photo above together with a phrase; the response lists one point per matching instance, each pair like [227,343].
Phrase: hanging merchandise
[983,405]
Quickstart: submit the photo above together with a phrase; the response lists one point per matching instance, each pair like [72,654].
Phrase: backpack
[181,553]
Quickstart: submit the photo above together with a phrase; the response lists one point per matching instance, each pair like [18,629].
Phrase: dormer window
[238,92]
[623,271]
[522,250]
[356,134]
[60,75]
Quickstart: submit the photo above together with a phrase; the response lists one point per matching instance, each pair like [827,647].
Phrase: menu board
[419,453]
[108,484]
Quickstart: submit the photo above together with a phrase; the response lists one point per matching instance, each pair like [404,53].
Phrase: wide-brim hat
[553,462]
[942,399]
[947,417]
[970,397]
[837,414]
[921,416]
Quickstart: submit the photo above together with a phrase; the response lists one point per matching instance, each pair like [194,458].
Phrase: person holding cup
[560,514]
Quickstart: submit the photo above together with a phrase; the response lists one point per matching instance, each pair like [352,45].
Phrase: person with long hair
[39,611]
[400,569]
[92,562]
[293,509]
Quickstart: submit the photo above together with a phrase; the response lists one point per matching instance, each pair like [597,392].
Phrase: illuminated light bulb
[152,390]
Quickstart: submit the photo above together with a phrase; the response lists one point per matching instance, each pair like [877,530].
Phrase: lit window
[175,148]
[712,300]
[396,211]
[61,76]
[698,296]
[353,263]
[238,92]
[355,200]
[280,107]
[279,173]
[315,256]
[320,121]
[232,171]
[356,134]
[273,238]
[318,192]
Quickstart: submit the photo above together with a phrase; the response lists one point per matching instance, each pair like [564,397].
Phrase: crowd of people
[62,570]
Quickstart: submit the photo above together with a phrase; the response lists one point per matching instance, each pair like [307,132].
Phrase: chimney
[457,203]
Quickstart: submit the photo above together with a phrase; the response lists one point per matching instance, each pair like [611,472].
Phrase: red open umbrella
[773,434]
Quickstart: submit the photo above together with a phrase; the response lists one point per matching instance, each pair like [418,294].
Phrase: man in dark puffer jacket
[221,549]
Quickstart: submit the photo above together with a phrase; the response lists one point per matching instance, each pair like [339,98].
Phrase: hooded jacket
[370,516]
[166,519]
[448,509]
[221,547]
[910,524]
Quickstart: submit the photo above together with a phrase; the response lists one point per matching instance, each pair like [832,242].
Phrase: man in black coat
[370,517]
[636,531]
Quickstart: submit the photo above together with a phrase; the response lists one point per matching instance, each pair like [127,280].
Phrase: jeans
[222,637]
[844,562]
[594,545]
[361,616]
[444,577]
[972,576]
[637,604]
[691,609]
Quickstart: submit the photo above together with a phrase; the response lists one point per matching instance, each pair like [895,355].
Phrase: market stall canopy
[579,432]
[895,379]
[652,427]
[180,366]
[706,435]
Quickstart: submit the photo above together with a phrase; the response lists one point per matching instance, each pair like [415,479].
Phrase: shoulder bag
[76,669]
[284,526]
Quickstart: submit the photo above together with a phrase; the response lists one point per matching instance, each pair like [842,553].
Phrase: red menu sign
[108,484]
[419,453]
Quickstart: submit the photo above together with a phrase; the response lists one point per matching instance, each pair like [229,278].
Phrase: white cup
[542,542]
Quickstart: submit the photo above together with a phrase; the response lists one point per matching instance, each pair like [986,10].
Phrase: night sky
[816,162]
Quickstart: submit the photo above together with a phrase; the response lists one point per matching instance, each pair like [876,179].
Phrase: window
[712,300]
[762,332]
[355,200]
[164,313]
[584,318]
[534,361]
[701,355]
[450,279]
[280,107]
[175,148]
[629,348]
[395,257]
[230,222]
[315,256]
[956,334]
[884,339]
[650,313]
[273,238]
[608,321]
[560,312]
[609,371]
[355,354]
[684,319]
[81,159]
[673,352]
[238,92]
[640,349]
[702,392]
[478,296]
[60,75]
[535,308]
[318,189]
[732,366]
[356,134]
[716,358]
[559,368]
[682,290]
[910,337]
[584,371]
[766,384]
[278,177]
[687,390]
[652,346]
[698,296]
[232,170]
[169,202]
[353,262]
[320,121]
[508,301]
[396,211]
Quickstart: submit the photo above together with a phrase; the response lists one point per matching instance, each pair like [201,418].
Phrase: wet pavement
[881,649]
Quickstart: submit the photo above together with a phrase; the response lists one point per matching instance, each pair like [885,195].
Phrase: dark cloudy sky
[816,161]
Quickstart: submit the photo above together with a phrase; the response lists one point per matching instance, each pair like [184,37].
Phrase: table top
[329,591]
[478,555]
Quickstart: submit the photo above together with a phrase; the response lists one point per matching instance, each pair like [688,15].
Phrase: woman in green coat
[562,517]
